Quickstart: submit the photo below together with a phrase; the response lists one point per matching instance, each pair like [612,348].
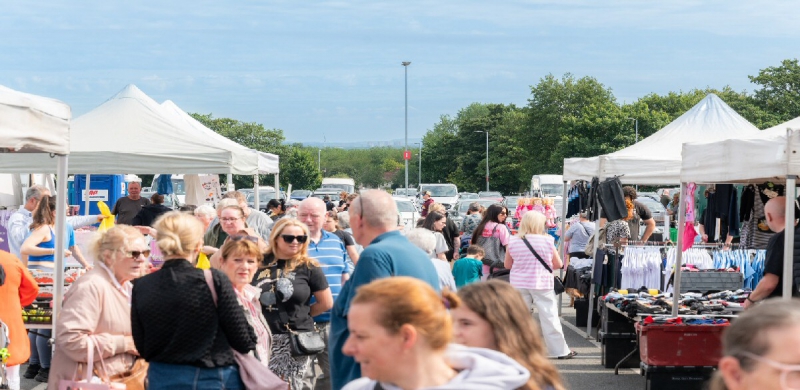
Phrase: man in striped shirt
[330,252]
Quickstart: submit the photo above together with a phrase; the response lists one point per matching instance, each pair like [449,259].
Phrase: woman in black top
[332,225]
[148,215]
[288,278]
[176,326]
[277,209]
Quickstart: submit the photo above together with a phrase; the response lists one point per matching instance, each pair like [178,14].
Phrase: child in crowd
[469,269]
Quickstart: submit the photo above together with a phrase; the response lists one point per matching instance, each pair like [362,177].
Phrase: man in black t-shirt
[772,284]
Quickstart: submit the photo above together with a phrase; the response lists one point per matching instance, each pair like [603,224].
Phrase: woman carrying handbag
[96,312]
[529,255]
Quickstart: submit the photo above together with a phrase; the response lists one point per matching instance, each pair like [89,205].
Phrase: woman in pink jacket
[98,305]
[18,290]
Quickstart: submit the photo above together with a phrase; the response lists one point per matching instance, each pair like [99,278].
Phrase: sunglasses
[136,254]
[240,237]
[288,238]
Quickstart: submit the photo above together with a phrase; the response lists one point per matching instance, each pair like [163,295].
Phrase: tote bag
[495,252]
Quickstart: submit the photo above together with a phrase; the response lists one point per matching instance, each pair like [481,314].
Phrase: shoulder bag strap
[525,240]
[210,282]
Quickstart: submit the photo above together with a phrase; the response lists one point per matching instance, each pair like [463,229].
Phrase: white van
[341,183]
[444,193]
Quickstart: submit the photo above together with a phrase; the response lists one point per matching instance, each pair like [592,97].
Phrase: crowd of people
[344,289]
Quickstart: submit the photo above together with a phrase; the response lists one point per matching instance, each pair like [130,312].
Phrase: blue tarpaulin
[164,184]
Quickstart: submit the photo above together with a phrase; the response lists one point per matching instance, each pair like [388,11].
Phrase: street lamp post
[487,157]
[319,160]
[405,67]
[636,124]
[419,177]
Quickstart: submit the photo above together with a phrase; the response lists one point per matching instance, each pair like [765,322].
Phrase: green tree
[780,90]
[299,169]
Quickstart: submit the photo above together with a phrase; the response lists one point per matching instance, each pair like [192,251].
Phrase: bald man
[772,284]
[387,253]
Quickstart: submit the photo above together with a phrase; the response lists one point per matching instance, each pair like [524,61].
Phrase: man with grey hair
[255,219]
[424,239]
[387,253]
[20,222]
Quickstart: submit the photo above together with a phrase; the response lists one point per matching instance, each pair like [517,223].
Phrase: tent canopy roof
[657,158]
[130,133]
[30,123]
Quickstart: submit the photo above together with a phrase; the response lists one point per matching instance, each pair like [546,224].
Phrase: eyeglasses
[288,238]
[229,219]
[240,237]
[790,374]
[136,254]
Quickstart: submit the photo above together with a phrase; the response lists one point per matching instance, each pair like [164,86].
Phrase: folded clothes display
[642,303]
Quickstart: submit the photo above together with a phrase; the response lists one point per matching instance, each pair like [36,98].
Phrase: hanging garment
[612,200]
[689,200]
[689,233]
[641,267]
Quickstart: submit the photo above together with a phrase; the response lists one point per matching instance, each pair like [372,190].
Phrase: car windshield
[405,207]
[334,197]
[263,196]
[512,200]
[442,191]
[552,189]
[653,205]
[469,195]
[490,194]
[463,207]
[301,193]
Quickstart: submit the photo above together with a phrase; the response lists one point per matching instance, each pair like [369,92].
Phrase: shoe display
[43,375]
[31,372]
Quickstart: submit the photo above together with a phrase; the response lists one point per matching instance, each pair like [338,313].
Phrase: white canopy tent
[129,133]
[774,155]
[656,159]
[34,125]
[265,163]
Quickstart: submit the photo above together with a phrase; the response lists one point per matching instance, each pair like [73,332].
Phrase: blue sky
[333,67]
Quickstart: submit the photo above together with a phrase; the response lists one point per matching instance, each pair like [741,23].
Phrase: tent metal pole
[88,197]
[230,186]
[561,244]
[676,295]
[788,241]
[256,195]
[61,220]
[277,186]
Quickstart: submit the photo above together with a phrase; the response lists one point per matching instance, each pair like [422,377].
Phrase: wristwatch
[751,301]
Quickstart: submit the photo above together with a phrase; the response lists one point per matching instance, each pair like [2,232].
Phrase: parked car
[331,192]
[493,195]
[408,211]
[658,211]
[511,203]
[458,212]
[406,192]
[651,195]
[170,200]
[264,196]
[300,194]
[468,195]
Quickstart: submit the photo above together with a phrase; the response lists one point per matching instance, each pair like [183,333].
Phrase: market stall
[32,125]
[656,160]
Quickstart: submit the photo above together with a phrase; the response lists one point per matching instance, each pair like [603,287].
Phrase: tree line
[565,117]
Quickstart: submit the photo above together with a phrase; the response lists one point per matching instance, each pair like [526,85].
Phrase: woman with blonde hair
[761,349]
[240,258]
[288,278]
[400,333]
[177,326]
[97,306]
[493,315]
[532,257]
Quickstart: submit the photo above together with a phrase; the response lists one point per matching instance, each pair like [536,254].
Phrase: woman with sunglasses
[98,305]
[177,326]
[288,279]
[240,258]
[761,349]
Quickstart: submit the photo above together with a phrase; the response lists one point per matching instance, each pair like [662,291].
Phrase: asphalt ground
[584,372]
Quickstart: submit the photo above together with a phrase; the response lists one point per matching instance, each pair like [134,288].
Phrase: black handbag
[306,343]
[558,284]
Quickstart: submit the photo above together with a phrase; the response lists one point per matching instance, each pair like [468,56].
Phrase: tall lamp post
[319,160]
[405,67]
[487,157]
[419,177]
[636,124]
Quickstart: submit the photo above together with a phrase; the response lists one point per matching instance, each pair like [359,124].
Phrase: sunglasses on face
[288,238]
[240,237]
[136,254]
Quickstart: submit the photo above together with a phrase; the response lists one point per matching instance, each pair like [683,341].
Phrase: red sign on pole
[407,155]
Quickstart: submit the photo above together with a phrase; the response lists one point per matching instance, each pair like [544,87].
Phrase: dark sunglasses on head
[288,238]
[240,237]
[136,254]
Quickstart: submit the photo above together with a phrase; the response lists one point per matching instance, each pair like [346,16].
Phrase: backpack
[590,249]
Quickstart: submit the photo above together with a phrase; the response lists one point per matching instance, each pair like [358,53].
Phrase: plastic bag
[108,222]
[203,262]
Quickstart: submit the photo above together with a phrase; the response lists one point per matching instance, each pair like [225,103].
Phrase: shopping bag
[108,222]
[202,261]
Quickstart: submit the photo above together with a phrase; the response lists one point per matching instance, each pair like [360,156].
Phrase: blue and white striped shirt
[332,257]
